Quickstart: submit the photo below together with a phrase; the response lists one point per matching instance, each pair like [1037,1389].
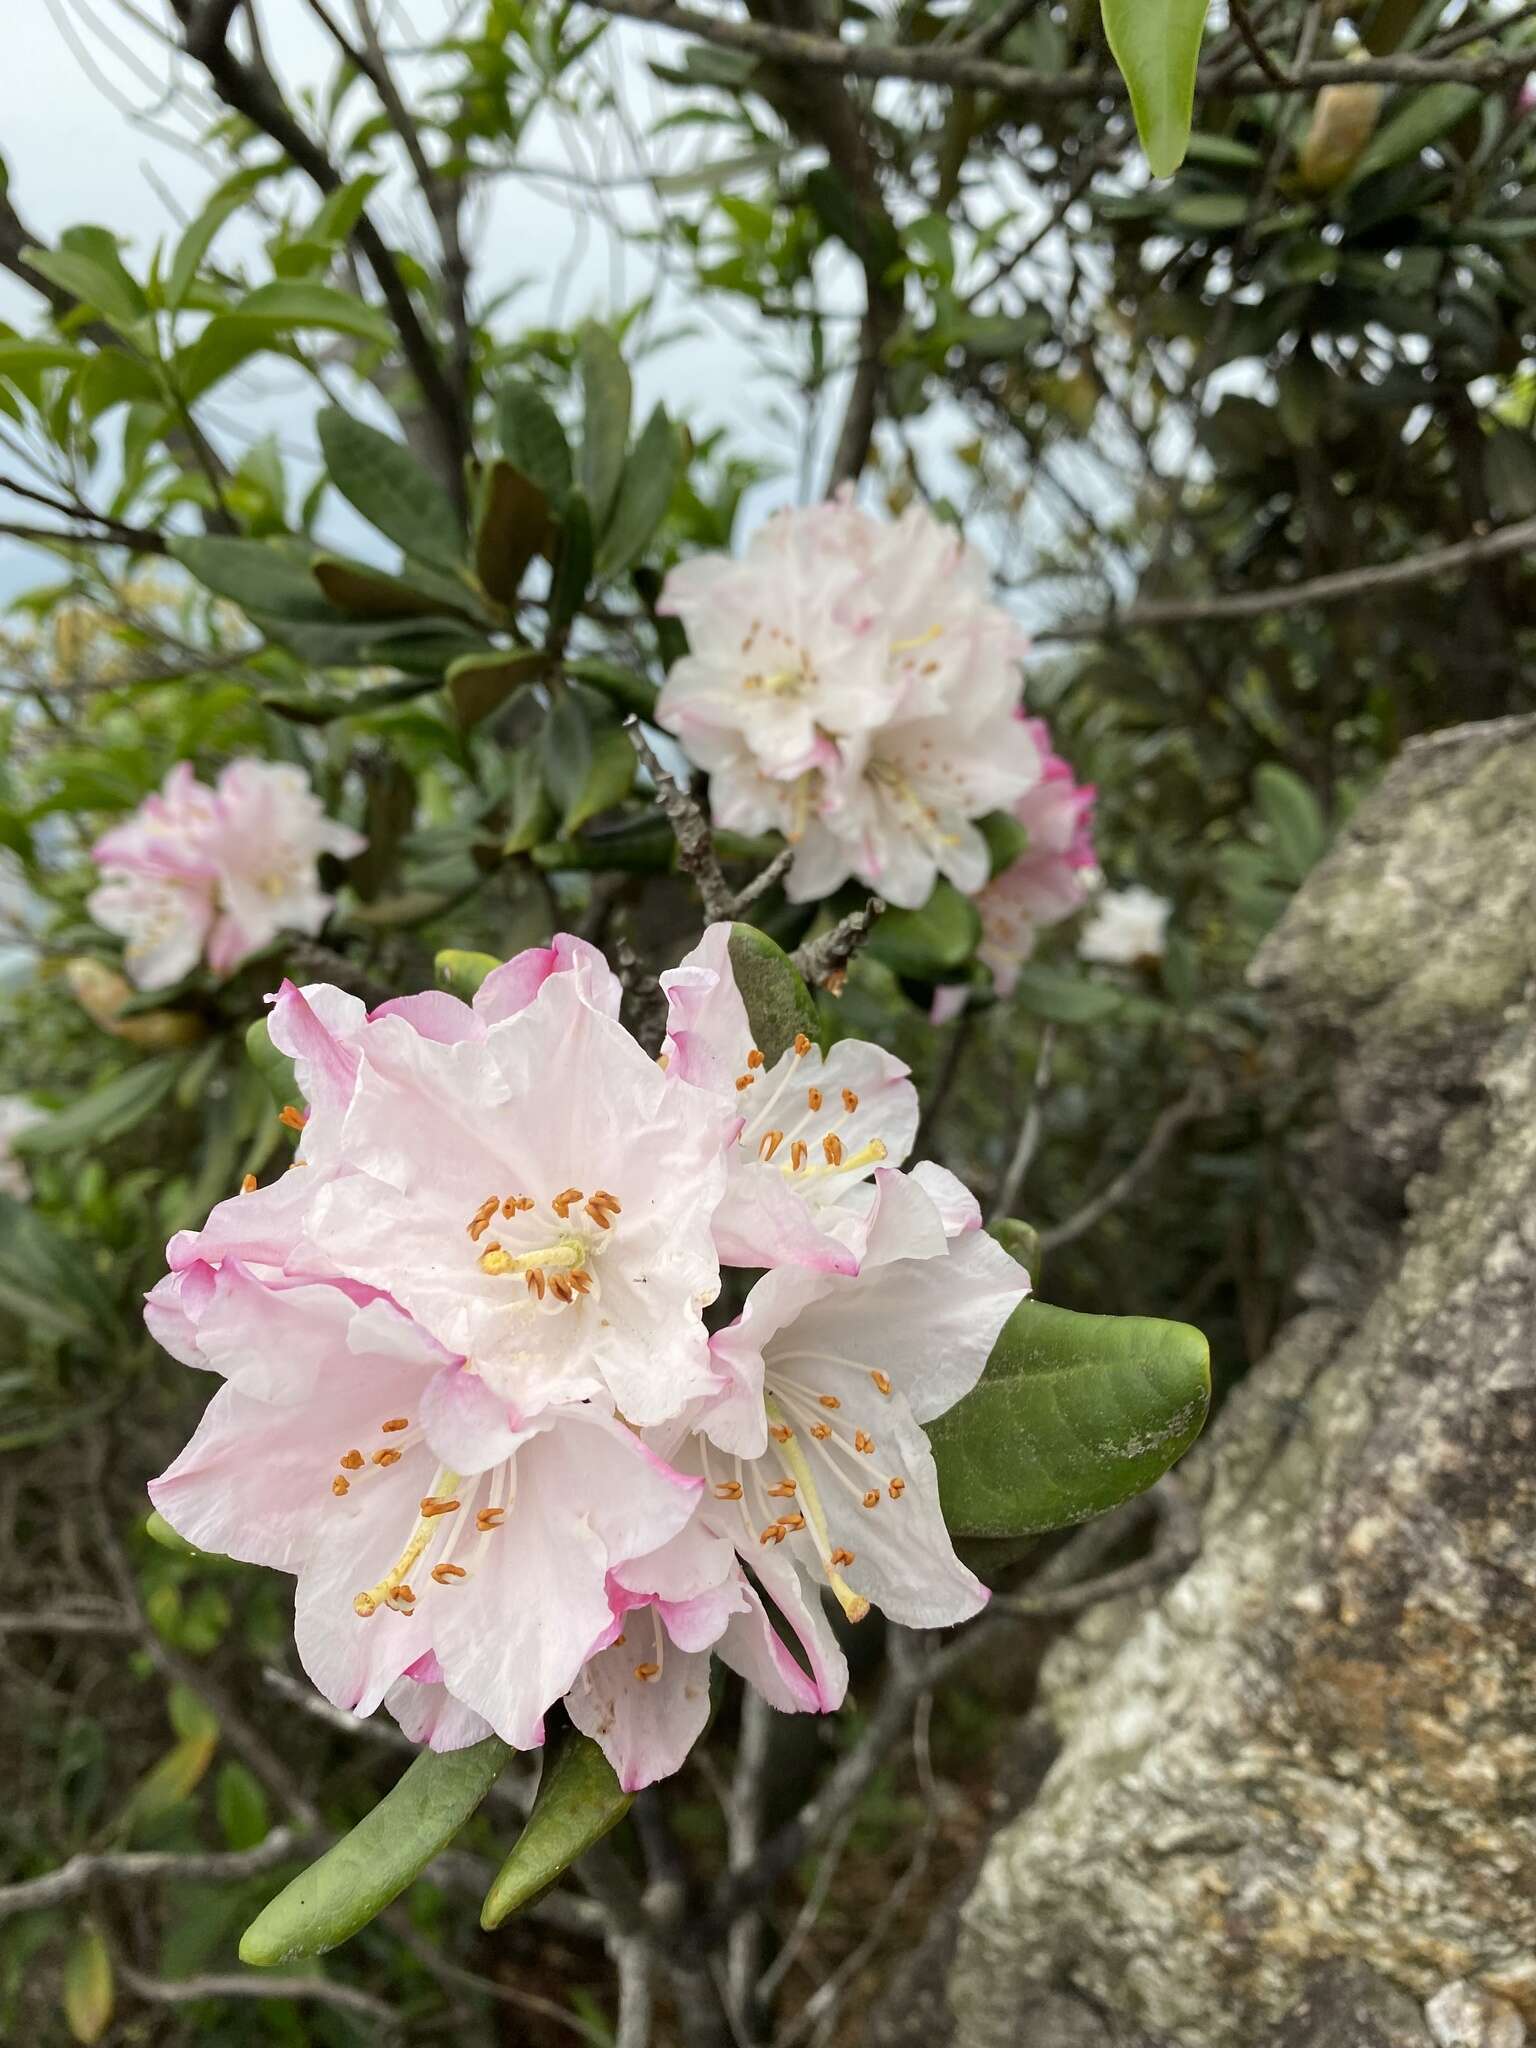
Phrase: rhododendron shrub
[216,874]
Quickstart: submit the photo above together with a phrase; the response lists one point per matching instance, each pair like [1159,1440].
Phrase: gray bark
[1294,1800]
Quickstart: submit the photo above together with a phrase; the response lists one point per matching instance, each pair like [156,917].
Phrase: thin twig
[695,842]
[358,2005]
[823,962]
[1029,1130]
[142,1866]
[744,1830]
[633,1961]
[759,885]
[1242,21]
[1198,1101]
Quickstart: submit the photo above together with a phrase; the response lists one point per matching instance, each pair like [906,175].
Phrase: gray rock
[1319,1747]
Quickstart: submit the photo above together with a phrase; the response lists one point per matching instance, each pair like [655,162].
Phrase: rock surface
[1295,1797]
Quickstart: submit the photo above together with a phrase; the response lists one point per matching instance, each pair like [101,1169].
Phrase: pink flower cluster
[215,872]
[471,1399]
[1049,880]
[851,684]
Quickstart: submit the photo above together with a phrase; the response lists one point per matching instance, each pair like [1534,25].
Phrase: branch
[1198,1101]
[141,1866]
[1029,1130]
[936,65]
[1338,587]
[345,1998]
[1242,21]
[823,962]
[696,853]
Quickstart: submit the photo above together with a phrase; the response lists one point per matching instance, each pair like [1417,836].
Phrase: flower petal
[646,1726]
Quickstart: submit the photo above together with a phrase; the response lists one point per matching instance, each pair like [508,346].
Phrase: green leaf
[1417,122]
[621,685]
[1156,44]
[24,358]
[173,1779]
[261,576]
[1021,1241]
[1007,840]
[88,1989]
[479,684]
[579,1801]
[387,1850]
[533,440]
[290,304]
[462,973]
[196,242]
[942,935]
[241,1806]
[532,813]
[1064,998]
[513,526]
[369,594]
[274,1067]
[866,231]
[779,1005]
[109,1111]
[589,764]
[1073,1415]
[605,420]
[1297,829]
[573,562]
[159,1530]
[86,264]
[381,479]
[645,491]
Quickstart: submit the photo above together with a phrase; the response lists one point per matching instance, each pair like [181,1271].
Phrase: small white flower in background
[1127,925]
[216,872]
[17,1114]
[851,684]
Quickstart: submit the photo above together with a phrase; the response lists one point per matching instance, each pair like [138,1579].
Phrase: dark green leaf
[1064,998]
[109,1111]
[384,1853]
[927,942]
[533,440]
[1421,119]
[381,479]
[579,1801]
[605,421]
[1297,829]
[45,1281]
[1007,840]
[272,577]
[513,526]
[1073,1415]
[573,562]
[645,491]
[621,685]
[479,684]
[532,813]
[779,1005]
[1156,44]
[369,594]
[241,1806]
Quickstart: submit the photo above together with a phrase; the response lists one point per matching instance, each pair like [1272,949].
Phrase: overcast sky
[75,154]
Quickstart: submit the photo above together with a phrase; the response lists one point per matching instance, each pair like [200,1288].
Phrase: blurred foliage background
[1251,448]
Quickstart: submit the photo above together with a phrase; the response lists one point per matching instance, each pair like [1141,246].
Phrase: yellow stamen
[854,1605]
[392,1590]
[562,1257]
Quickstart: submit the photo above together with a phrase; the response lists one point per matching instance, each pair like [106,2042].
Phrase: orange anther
[535,1282]
[813,1098]
[770,1143]
[754,1058]
[872,1498]
[396,1422]
[248,1185]
[561,1287]
[608,1201]
[842,1557]
[599,1214]
[863,1442]
[293,1118]
[728,1489]
[799,1152]
[353,1460]
[490,1518]
[744,1081]
[821,1431]
[646,1672]
[339,1486]
[562,1202]
[443,1573]
[882,1380]
[783,1489]
[832,1149]
[772,1534]
[431,1507]
[802,1044]
[582,1282]
[850,1101]
[387,1457]
[897,1488]
[780,1432]
[829,1401]
[790,1523]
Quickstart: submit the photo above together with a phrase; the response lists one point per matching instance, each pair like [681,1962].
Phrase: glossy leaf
[645,491]
[373,1864]
[479,684]
[1156,44]
[533,440]
[942,935]
[88,1995]
[578,1802]
[381,478]
[779,1005]
[462,973]
[512,526]
[606,398]
[1073,1415]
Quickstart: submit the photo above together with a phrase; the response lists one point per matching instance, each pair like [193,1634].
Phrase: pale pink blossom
[851,684]
[815,1128]
[1127,925]
[216,873]
[497,1243]
[17,1114]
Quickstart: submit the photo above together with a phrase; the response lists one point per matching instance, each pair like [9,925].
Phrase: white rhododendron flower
[216,872]
[1127,925]
[850,684]
[17,1114]
[471,1400]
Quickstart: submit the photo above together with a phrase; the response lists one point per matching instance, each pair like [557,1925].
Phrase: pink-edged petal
[469,1428]
[262,1228]
[709,1035]
[428,1713]
[958,1208]
[694,1561]
[645,1726]
[511,987]
[764,1221]
[752,1646]
[317,1028]
[433,1014]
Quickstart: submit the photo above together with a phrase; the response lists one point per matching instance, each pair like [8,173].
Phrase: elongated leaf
[943,934]
[196,242]
[381,479]
[369,594]
[295,303]
[93,274]
[1064,998]
[533,440]
[1412,126]
[1156,43]
[573,563]
[241,1806]
[606,400]
[779,1005]
[24,358]
[1073,1415]
[481,683]
[462,973]
[579,1801]
[387,1850]
[271,577]
[87,1987]
[45,1281]
[645,491]
[533,814]
[620,685]
[512,527]
[110,1110]
[1296,824]
[610,777]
